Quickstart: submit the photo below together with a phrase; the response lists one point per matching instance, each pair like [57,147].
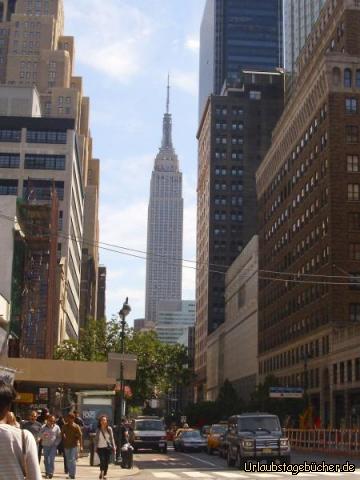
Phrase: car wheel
[286,460]
[163,450]
[210,451]
[230,461]
[240,462]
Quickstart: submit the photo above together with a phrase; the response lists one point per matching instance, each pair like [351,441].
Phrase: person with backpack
[18,450]
[50,436]
[104,445]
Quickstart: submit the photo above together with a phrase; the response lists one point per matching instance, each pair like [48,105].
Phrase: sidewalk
[84,471]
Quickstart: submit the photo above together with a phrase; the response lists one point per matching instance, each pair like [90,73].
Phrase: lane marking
[165,475]
[230,475]
[200,460]
[197,474]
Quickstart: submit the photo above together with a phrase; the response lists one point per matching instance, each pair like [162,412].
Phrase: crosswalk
[167,475]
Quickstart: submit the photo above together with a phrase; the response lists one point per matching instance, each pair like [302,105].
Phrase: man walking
[17,447]
[72,437]
[34,427]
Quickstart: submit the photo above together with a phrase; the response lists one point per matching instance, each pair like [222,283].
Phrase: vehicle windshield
[195,434]
[149,425]
[255,424]
[218,429]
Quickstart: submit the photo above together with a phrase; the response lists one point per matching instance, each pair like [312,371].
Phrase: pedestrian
[34,427]
[18,451]
[44,413]
[122,436]
[61,422]
[104,444]
[72,437]
[11,420]
[50,436]
[78,420]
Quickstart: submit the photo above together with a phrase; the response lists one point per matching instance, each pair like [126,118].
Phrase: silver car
[190,440]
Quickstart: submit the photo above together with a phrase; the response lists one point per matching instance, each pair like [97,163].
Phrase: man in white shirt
[18,451]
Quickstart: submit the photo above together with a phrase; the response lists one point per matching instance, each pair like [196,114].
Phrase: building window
[353,191]
[354,251]
[41,189]
[352,163]
[350,105]
[347,78]
[358,78]
[354,312]
[8,187]
[354,221]
[354,281]
[9,160]
[352,134]
[10,135]
[254,95]
[47,136]
[45,162]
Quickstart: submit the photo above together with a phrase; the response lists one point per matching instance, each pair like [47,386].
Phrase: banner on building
[7,375]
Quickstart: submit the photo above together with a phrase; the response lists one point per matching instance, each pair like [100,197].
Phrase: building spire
[167,122]
[168,95]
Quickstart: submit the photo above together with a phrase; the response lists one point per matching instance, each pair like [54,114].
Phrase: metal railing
[332,441]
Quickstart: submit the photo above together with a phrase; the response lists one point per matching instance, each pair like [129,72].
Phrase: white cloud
[193,44]
[113,36]
[186,81]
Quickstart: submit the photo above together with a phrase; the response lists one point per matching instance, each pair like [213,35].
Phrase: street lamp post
[126,309]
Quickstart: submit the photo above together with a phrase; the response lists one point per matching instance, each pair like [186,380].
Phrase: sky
[124,50]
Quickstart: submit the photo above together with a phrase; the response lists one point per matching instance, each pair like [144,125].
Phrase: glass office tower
[299,17]
[237,35]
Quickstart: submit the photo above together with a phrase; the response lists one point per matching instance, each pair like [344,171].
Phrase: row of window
[296,355]
[224,140]
[222,155]
[234,187]
[222,200]
[223,216]
[34,136]
[235,171]
[281,335]
[33,189]
[45,162]
[234,125]
[352,374]
[223,110]
[312,128]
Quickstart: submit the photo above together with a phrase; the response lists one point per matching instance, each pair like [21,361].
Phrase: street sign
[286,392]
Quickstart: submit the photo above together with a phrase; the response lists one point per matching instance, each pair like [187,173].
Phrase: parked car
[213,439]
[190,440]
[149,433]
[256,436]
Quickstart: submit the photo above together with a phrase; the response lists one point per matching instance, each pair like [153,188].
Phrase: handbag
[23,454]
[108,444]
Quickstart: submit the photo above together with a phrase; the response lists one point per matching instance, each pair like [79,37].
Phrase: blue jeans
[49,459]
[70,455]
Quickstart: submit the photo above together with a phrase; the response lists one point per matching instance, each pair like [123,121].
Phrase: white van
[149,433]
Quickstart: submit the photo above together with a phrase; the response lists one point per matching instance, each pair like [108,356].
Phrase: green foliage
[159,364]
[228,401]
[202,413]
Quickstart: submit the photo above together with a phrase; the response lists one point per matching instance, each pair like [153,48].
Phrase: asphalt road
[176,466]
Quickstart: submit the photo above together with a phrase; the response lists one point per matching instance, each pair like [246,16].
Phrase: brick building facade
[309,201]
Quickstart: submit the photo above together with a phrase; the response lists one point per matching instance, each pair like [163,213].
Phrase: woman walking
[50,435]
[104,445]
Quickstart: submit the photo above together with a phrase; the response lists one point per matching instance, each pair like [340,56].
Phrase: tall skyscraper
[299,17]
[237,35]
[234,136]
[37,80]
[165,225]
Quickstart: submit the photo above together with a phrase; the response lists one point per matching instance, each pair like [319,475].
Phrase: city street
[176,466]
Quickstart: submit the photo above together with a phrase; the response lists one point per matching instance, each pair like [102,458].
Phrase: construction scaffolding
[35,314]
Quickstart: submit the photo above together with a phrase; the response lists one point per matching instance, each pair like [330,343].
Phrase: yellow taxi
[213,439]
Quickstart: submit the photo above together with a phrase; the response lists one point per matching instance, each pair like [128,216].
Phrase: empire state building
[165,225]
